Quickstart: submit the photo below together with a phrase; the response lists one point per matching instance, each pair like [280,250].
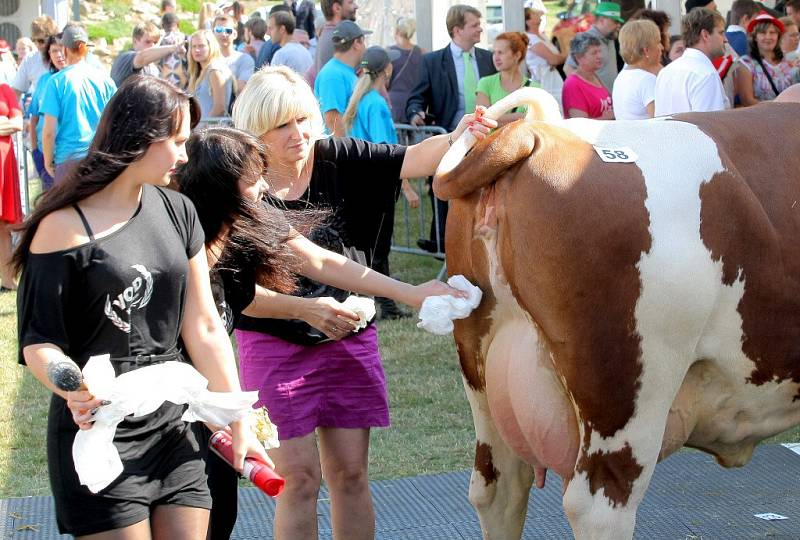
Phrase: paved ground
[690,497]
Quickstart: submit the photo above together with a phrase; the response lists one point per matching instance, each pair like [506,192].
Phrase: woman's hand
[83,406]
[329,317]
[478,124]
[410,194]
[433,287]
[245,444]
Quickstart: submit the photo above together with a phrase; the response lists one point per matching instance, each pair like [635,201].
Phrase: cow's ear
[487,160]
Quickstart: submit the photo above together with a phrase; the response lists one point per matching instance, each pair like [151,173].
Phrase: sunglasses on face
[40,40]
[223,30]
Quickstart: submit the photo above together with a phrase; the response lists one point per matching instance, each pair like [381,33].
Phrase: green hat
[610,10]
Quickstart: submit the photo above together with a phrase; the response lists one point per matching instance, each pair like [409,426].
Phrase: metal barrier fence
[24,164]
[412,224]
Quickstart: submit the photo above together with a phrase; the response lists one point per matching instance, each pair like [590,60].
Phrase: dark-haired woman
[255,255]
[114,263]
[764,73]
[54,58]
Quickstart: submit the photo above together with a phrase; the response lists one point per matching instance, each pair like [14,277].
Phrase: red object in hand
[259,473]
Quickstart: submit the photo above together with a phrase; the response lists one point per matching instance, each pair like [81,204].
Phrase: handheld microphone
[65,375]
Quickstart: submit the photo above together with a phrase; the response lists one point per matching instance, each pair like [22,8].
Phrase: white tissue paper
[141,392]
[363,307]
[438,312]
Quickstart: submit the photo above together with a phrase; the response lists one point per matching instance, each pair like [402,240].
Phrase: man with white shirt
[691,83]
[741,13]
[291,53]
[241,64]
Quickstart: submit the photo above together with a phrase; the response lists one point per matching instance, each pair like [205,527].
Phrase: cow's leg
[500,481]
[591,514]
[612,473]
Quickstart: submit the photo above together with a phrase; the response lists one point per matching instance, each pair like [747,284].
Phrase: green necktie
[470,84]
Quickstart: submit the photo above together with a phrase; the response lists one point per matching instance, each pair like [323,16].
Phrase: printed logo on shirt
[137,295]
[226,314]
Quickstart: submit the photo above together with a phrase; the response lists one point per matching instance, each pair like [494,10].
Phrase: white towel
[438,312]
[141,392]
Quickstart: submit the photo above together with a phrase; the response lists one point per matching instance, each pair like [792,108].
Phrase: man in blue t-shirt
[72,104]
[337,78]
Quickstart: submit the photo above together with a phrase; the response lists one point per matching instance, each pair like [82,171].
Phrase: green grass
[116,26]
[187,27]
[192,6]
[110,30]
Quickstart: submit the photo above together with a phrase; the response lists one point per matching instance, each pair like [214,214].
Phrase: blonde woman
[210,79]
[406,72]
[634,94]
[322,379]
[24,47]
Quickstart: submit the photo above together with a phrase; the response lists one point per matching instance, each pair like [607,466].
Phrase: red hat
[761,17]
[4,46]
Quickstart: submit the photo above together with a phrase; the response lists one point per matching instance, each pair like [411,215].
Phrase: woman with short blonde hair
[641,48]
[308,341]
[210,79]
[276,97]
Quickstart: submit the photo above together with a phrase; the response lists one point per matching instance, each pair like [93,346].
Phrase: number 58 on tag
[622,154]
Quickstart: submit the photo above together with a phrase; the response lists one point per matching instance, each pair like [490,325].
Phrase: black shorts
[162,465]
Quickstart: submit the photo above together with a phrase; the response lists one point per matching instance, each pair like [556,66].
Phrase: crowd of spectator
[286,82]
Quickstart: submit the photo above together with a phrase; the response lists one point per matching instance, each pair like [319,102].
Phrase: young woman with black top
[322,378]
[113,263]
[249,242]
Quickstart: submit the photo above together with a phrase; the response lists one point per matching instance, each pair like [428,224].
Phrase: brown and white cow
[629,309]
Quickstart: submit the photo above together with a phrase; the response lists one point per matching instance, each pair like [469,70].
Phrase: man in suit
[446,91]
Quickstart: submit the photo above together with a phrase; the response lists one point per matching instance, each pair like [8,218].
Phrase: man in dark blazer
[439,99]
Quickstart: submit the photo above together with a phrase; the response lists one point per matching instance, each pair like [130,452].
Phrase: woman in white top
[635,88]
[210,79]
[542,57]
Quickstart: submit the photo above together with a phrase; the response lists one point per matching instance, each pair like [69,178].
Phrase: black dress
[122,294]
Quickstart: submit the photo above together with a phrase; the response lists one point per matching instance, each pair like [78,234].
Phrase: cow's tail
[502,151]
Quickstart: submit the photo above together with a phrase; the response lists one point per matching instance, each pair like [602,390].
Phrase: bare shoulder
[59,230]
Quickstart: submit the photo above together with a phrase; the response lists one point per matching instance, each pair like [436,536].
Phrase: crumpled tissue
[438,312]
[363,307]
[140,392]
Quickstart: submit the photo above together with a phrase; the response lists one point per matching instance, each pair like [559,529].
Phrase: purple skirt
[338,384]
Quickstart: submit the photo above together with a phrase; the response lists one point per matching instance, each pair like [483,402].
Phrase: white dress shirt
[689,83]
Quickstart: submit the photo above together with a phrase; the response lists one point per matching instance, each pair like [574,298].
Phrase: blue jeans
[38,162]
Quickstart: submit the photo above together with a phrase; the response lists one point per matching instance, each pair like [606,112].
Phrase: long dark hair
[255,233]
[144,110]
